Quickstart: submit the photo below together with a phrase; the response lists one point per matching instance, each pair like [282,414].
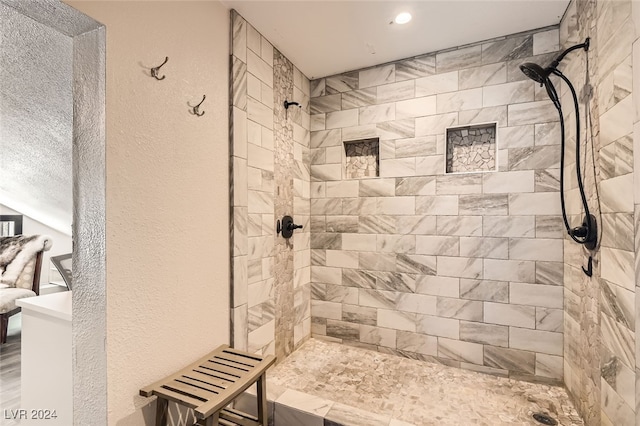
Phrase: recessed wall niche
[471,148]
[362,158]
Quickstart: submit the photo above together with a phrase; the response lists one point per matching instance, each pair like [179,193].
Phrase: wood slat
[221,422]
[254,357]
[242,360]
[198,384]
[220,375]
[232,364]
[177,397]
[193,391]
[148,390]
[236,374]
[237,419]
[213,381]
[241,414]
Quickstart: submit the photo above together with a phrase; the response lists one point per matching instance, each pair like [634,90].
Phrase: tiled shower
[459,268]
[408,252]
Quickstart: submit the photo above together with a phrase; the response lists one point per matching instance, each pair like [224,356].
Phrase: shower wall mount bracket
[287,104]
[587,232]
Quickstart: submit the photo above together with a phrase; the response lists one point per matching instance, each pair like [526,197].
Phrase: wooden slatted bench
[211,383]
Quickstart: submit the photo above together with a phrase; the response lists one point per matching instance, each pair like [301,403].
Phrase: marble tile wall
[461,269]
[271,311]
[600,367]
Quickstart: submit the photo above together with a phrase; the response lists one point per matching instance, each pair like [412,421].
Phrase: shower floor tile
[415,392]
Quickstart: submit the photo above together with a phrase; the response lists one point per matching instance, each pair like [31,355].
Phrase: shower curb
[289,407]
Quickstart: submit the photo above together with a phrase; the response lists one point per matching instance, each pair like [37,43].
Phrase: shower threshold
[330,384]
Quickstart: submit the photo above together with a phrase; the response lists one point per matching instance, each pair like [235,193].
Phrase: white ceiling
[329,37]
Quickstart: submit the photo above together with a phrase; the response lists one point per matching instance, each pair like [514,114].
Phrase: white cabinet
[47,377]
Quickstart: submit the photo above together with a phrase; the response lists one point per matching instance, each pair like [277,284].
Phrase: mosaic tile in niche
[471,149]
[362,159]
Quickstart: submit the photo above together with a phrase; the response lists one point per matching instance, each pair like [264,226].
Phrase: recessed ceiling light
[403,18]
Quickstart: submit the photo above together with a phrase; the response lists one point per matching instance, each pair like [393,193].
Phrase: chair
[64,266]
[20,266]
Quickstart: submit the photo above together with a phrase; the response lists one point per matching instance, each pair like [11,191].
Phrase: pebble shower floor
[404,392]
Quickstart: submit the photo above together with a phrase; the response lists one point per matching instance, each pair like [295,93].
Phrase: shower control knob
[286,227]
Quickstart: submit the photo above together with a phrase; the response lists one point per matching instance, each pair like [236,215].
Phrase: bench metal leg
[263,415]
[161,411]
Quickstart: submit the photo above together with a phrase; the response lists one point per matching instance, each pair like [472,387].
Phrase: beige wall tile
[377,76]
[513,315]
[544,342]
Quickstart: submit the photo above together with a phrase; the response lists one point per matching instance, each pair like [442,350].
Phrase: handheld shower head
[535,72]
[538,74]
[541,75]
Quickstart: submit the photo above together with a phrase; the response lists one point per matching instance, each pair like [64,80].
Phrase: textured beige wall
[167,191]
[37,116]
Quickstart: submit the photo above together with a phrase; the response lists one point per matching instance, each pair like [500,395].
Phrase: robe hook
[196,109]
[154,71]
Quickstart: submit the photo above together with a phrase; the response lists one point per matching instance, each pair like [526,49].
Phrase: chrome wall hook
[196,109]
[154,71]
